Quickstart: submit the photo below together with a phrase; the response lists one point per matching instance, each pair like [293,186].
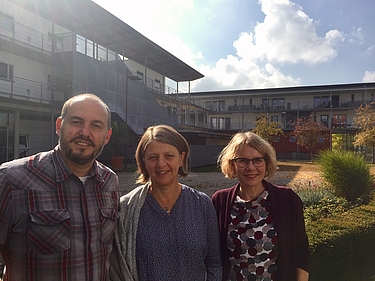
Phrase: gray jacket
[123,265]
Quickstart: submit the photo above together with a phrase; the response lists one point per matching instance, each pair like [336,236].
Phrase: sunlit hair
[235,147]
[67,105]
[165,134]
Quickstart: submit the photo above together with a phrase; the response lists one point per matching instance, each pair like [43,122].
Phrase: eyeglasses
[243,162]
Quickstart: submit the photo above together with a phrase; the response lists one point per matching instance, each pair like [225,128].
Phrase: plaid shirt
[52,226]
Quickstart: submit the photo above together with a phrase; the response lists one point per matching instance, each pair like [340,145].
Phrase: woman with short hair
[261,225]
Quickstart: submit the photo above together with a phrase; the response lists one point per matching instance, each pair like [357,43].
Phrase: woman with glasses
[261,225]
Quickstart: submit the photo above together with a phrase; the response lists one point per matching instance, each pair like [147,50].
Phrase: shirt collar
[63,172]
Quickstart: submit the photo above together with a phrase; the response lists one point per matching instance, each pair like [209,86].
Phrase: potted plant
[117,143]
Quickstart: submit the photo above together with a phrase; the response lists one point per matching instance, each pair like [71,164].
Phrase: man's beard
[79,157]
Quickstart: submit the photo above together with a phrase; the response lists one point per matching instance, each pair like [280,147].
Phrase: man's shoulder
[39,158]
[103,168]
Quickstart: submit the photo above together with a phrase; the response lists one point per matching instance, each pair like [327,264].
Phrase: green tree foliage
[364,120]
[347,173]
[337,142]
[307,132]
[267,129]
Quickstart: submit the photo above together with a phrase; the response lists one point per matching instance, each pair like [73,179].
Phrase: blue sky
[251,44]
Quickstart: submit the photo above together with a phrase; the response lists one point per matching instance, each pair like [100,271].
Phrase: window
[220,123]
[102,53]
[221,105]
[321,102]
[23,142]
[324,120]
[339,121]
[140,75]
[111,56]
[275,118]
[264,103]
[211,105]
[157,84]
[80,44]
[6,22]
[278,103]
[90,48]
[6,71]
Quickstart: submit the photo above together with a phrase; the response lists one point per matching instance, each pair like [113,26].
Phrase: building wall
[39,135]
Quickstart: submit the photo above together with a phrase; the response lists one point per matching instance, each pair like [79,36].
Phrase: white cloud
[235,73]
[369,76]
[287,35]
[356,36]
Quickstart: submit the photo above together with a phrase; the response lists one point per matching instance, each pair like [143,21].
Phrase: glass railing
[30,90]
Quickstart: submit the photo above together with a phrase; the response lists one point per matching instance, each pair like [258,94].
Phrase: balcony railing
[302,106]
[30,90]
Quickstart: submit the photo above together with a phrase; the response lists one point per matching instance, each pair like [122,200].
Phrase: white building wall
[39,134]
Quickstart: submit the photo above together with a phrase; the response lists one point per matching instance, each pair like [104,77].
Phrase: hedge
[343,246]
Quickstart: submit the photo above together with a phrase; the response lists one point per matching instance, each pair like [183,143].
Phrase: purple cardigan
[287,211]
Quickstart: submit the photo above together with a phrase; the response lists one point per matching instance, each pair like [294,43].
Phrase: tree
[117,145]
[119,138]
[364,120]
[267,129]
[307,132]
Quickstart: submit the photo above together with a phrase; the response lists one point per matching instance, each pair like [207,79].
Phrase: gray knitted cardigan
[123,265]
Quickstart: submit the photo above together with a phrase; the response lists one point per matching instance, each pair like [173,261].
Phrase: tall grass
[347,173]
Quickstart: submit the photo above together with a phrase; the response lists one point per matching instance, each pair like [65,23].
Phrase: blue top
[183,245]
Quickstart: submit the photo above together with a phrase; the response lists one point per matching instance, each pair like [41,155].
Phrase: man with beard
[59,209]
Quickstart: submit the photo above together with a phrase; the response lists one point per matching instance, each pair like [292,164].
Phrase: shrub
[313,195]
[348,174]
[327,206]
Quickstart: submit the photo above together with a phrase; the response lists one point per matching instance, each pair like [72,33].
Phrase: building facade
[332,106]
[53,50]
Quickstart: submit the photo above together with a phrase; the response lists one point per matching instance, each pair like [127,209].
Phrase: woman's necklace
[167,210]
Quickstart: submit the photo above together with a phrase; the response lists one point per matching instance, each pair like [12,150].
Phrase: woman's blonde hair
[237,144]
[165,134]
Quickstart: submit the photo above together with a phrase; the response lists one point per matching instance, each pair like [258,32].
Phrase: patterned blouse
[252,240]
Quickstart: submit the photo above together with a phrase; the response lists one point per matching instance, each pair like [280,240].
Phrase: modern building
[333,106]
[52,50]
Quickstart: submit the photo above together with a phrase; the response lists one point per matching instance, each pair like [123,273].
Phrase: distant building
[333,106]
